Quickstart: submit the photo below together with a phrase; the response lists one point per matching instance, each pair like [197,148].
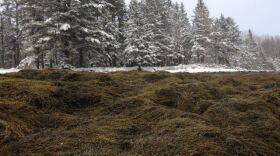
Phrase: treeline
[271,45]
[85,33]
[58,32]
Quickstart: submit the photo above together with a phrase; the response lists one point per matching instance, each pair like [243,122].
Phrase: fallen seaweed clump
[61,112]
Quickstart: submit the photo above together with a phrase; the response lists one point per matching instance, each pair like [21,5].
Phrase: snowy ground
[193,68]
[12,70]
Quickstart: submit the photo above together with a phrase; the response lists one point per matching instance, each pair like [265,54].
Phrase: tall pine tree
[140,48]
[225,39]
[201,33]
[181,35]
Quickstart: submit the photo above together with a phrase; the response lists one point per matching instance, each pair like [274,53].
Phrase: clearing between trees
[62,112]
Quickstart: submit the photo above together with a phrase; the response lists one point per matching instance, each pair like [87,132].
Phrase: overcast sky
[262,16]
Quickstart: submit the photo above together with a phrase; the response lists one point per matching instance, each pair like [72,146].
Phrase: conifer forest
[111,33]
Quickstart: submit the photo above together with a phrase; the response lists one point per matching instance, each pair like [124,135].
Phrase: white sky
[262,16]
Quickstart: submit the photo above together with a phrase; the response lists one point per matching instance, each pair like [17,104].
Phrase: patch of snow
[105,69]
[5,71]
[275,62]
[29,49]
[27,63]
[94,40]
[199,68]
[86,30]
[44,39]
[192,68]
[65,27]
[103,33]
[48,20]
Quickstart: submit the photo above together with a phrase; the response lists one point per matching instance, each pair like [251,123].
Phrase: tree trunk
[139,68]
[38,58]
[51,63]
[17,43]
[38,62]
[14,54]
[81,60]
[42,60]
[2,44]
[17,54]
[56,58]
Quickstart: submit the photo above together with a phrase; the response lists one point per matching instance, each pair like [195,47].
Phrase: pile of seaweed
[61,112]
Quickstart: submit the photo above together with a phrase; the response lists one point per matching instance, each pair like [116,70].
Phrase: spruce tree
[181,35]
[201,33]
[157,19]
[70,32]
[40,30]
[251,55]
[225,39]
[116,27]
[12,17]
[140,48]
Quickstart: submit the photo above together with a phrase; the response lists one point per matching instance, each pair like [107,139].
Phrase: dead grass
[61,112]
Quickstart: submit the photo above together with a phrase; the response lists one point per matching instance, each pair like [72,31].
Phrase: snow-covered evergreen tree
[157,19]
[110,44]
[181,35]
[119,17]
[82,31]
[225,38]
[202,25]
[72,32]
[39,29]
[251,55]
[12,17]
[140,48]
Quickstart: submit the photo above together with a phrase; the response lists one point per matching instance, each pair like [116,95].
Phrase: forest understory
[62,112]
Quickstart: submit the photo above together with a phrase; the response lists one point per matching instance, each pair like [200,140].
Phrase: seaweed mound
[61,112]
